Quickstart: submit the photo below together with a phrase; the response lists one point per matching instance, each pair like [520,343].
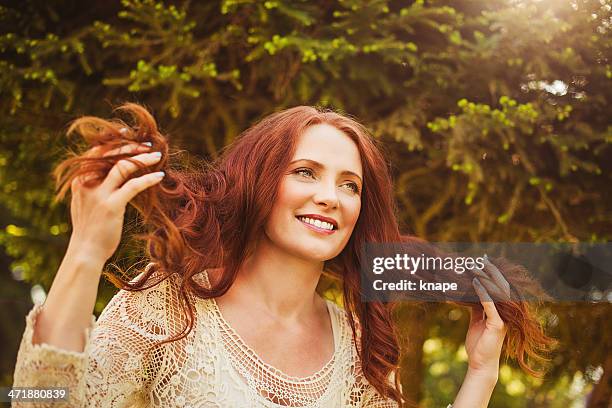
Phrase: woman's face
[322,186]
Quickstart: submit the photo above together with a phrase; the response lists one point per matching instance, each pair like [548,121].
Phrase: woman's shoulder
[160,309]
[342,315]
[154,315]
[343,332]
[144,311]
[338,312]
[161,303]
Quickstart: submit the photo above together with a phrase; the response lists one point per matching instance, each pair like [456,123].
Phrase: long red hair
[212,214]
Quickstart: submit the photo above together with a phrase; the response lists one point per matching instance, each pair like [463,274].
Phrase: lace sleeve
[112,370]
[43,365]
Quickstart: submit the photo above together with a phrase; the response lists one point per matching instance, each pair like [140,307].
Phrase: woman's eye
[308,172]
[353,187]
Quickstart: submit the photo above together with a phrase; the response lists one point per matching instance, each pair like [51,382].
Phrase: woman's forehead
[329,147]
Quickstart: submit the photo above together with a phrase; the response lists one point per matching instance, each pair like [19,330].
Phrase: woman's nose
[327,195]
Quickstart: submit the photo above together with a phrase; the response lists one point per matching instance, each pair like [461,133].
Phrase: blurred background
[495,115]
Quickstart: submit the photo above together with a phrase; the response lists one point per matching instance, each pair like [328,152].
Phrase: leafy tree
[495,114]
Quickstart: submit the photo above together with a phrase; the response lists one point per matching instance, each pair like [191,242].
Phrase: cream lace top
[211,367]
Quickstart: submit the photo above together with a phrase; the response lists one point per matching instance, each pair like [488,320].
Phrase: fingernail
[159,174]
[147,144]
[123,130]
[156,154]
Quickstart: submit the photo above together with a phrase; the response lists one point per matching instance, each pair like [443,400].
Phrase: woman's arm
[66,314]
[97,214]
[476,390]
[108,373]
[112,370]
[484,341]
[61,345]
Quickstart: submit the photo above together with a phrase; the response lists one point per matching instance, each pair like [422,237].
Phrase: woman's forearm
[476,389]
[67,311]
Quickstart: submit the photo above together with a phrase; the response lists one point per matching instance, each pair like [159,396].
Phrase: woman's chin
[314,255]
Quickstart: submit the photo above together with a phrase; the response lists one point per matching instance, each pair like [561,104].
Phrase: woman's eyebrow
[320,165]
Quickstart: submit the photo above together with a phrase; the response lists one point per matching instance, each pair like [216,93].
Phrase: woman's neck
[278,283]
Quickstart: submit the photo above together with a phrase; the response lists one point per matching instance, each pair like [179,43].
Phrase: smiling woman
[321,190]
[226,313]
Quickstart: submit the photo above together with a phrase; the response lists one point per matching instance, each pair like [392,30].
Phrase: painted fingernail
[147,144]
[156,154]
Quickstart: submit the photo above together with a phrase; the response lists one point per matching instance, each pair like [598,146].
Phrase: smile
[317,225]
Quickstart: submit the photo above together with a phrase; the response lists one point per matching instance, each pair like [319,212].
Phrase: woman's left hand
[487,330]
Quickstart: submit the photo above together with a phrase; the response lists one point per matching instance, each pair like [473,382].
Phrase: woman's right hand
[97,212]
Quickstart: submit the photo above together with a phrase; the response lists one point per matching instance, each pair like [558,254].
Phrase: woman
[226,314]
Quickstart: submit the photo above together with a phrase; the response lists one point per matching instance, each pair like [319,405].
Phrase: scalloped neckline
[271,369]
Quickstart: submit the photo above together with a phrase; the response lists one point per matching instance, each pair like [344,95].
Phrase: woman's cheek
[351,217]
[356,210]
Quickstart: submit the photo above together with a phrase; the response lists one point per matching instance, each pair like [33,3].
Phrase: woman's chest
[213,368]
[298,353]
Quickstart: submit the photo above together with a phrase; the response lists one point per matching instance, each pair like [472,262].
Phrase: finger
[476,314]
[482,275]
[493,318]
[134,186]
[490,285]
[81,181]
[93,152]
[129,148]
[124,167]
[497,276]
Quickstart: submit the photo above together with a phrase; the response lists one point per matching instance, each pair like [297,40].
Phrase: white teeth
[317,223]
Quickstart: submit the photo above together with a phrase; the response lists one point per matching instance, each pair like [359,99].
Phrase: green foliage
[496,113]
[514,389]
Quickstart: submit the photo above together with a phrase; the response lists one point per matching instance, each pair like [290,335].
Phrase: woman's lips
[315,228]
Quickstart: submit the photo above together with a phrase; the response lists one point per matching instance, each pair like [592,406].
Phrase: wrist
[79,253]
[477,388]
[486,377]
